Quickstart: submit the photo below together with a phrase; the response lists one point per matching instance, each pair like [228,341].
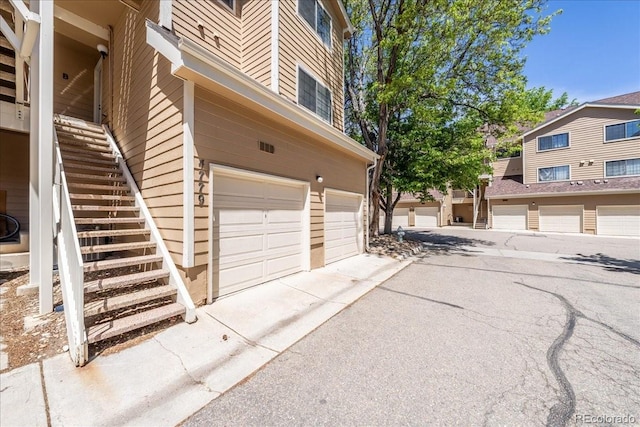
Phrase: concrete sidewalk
[167,378]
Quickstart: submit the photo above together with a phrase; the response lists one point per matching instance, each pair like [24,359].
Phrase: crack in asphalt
[422,298]
[561,412]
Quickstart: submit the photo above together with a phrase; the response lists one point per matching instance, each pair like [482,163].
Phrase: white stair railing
[174,275]
[70,265]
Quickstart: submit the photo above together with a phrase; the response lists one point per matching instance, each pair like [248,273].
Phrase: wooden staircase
[126,286]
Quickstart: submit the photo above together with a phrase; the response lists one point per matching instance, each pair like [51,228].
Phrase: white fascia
[82,23]
[188,57]
[564,194]
[275,46]
[166,12]
[188,182]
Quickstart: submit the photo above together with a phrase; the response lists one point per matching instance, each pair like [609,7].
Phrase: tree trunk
[374,223]
[388,219]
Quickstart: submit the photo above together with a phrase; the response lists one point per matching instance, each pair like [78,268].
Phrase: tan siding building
[579,173]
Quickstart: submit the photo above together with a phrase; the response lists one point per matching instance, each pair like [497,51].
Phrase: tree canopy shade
[424,77]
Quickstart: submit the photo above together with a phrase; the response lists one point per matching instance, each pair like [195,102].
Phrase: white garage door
[427,216]
[258,229]
[400,218]
[343,233]
[512,217]
[563,219]
[618,220]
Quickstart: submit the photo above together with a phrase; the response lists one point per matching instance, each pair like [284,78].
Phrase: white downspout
[375,162]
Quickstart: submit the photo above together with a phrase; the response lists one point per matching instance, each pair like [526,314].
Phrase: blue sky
[592,51]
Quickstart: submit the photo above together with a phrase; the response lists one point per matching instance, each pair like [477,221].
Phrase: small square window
[622,167]
[313,95]
[317,17]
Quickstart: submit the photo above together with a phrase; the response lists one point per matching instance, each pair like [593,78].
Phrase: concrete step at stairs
[121,262]
[103,331]
[116,247]
[113,233]
[126,280]
[111,303]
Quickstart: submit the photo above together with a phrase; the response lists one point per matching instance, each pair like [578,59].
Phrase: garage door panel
[258,230]
[400,217]
[426,216]
[618,221]
[342,225]
[562,219]
[510,217]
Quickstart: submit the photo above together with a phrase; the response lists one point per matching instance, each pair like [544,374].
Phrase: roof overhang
[191,62]
[344,17]
[564,194]
[575,110]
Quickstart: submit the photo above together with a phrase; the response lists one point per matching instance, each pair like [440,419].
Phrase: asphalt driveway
[486,328]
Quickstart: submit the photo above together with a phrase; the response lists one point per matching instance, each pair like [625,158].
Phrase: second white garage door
[618,220]
[562,219]
[509,217]
[427,216]
[258,229]
[343,232]
[400,218]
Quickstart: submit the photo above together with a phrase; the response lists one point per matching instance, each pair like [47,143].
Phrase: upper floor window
[553,142]
[313,95]
[555,173]
[622,167]
[231,4]
[622,131]
[318,18]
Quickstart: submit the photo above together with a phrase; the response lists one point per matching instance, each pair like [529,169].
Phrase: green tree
[422,76]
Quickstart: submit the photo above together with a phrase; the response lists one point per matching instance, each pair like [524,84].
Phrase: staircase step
[86,177]
[103,331]
[124,281]
[70,148]
[92,208]
[113,233]
[115,247]
[121,262]
[80,196]
[106,221]
[104,187]
[89,134]
[69,164]
[62,120]
[104,305]
[84,159]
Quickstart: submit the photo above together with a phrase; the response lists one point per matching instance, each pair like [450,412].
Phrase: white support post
[41,145]
[188,182]
[20,99]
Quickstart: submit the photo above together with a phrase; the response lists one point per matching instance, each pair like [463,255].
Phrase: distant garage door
[258,229]
[343,233]
[618,220]
[400,217]
[427,216]
[511,217]
[563,219]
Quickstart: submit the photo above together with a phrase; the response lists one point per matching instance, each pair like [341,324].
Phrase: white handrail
[70,265]
[174,275]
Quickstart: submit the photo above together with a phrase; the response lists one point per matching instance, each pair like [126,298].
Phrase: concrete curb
[167,378]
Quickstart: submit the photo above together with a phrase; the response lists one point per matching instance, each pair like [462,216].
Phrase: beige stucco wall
[146,121]
[14,175]
[589,202]
[73,95]
[227,133]
[586,142]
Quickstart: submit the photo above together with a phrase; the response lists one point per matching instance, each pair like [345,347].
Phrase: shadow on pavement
[442,244]
[608,263]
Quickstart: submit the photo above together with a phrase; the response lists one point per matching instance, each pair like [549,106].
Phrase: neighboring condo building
[578,172]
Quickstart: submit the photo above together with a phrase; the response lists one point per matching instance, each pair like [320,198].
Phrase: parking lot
[485,328]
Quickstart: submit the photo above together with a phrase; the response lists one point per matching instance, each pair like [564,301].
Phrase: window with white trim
[314,95]
[552,142]
[555,173]
[624,130]
[318,18]
[622,167]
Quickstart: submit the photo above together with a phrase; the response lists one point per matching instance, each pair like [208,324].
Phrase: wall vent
[266,147]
